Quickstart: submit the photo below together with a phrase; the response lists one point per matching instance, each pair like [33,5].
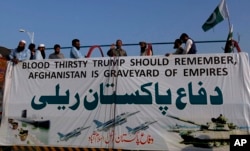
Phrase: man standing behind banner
[40,52]
[20,53]
[75,50]
[190,47]
[177,45]
[57,54]
[145,50]
[32,48]
[116,51]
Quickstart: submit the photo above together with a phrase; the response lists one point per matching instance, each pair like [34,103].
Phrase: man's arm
[12,54]
[125,53]
[110,53]
[188,46]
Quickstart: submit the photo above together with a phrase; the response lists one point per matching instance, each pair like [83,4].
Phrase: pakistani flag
[230,34]
[219,14]
[229,47]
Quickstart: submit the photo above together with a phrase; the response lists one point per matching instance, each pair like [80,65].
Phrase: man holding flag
[219,14]
[231,44]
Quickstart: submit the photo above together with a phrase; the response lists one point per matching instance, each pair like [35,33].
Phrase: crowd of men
[21,53]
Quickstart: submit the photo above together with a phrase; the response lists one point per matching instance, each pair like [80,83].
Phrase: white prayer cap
[41,45]
[23,41]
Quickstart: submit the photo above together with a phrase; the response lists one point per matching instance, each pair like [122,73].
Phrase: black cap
[183,35]
[177,41]
[142,42]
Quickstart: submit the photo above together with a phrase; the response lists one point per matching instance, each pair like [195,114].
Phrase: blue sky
[102,22]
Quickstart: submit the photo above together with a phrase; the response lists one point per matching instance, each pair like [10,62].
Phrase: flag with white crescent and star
[219,14]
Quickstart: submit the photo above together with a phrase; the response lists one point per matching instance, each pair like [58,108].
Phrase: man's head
[21,45]
[32,47]
[57,48]
[118,43]
[76,43]
[143,44]
[177,43]
[41,47]
[184,37]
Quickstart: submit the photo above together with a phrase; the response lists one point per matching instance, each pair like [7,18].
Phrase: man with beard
[145,50]
[75,50]
[57,54]
[40,52]
[20,53]
[116,51]
[32,48]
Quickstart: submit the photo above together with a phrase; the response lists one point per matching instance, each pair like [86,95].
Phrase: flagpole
[228,18]
[229,24]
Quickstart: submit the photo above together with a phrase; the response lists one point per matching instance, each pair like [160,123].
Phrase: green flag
[230,34]
[219,14]
[229,47]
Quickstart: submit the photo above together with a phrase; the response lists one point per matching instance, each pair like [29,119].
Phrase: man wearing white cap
[40,52]
[20,53]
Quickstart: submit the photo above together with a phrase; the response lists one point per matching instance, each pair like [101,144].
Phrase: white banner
[140,103]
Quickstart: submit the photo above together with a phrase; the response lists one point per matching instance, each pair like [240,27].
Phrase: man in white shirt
[20,53]
[190,47]
[40,52]
[75,50]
